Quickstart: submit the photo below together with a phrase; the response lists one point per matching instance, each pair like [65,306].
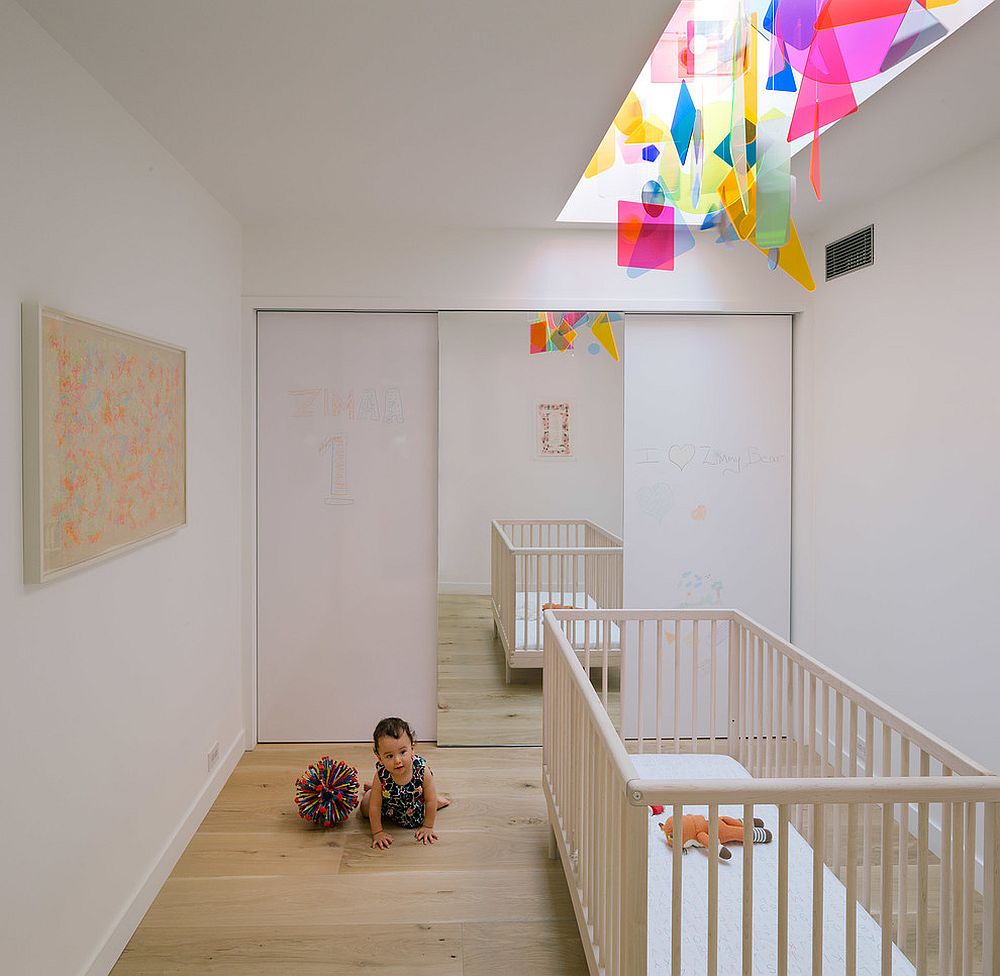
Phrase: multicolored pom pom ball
[327,792]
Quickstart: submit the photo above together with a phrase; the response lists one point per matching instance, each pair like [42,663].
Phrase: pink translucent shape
[855,52]
[645,241]
[668,63]
[820,103]
[632,152]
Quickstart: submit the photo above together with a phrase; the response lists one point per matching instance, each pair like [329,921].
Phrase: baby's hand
[382,840]
[425,835]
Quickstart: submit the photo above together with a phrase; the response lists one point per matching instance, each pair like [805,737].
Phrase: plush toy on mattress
[558,606]
[694,833]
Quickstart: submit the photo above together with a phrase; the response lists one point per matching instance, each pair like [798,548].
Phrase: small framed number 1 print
[553,435]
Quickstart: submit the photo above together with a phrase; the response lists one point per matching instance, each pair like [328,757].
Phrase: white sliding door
[347,533]
[708,437]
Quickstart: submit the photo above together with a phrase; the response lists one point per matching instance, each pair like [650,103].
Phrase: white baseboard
[128,921]
[464,589]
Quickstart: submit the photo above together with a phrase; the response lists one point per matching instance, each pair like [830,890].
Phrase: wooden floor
[259,892]
[476,706]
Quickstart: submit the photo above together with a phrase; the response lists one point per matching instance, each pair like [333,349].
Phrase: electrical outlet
[213,757]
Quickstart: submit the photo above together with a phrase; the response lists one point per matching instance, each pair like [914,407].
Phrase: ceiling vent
[855,251]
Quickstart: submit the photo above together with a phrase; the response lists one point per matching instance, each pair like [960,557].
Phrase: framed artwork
[553,438]
[104,441]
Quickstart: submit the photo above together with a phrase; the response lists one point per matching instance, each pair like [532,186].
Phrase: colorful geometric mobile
[732,90]
[558,331]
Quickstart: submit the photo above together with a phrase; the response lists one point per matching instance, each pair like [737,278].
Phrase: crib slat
[970,877]
[780,743]
[885,915]
[641,682]
[748,889]
[760,744]
[991,888]
[713,672]
[838,768]
[677,686]
[851,897]
[732,691]
[713,889]
[944,910]
[923,829]
[659,686]
[866,836]
[774,703]
[819,846]
[904,844]
[694,686]
[675,897]
[958,888]
[769,700]
[783,890]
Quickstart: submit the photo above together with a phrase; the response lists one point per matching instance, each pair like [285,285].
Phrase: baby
[407,795]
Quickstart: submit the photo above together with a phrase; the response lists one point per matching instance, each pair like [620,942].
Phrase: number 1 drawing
[339,493]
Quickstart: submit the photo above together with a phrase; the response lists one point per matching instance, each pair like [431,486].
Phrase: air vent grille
[855,251]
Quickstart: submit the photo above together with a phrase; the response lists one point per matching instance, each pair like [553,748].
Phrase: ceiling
[450,112]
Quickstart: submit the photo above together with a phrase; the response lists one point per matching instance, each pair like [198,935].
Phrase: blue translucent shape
[768,22]
[772,258]
[650,154]
[682,127]
[784,80]
[724,152]
[593,349]
[683,238]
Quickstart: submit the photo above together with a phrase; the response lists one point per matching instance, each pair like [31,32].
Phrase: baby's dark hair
[394,728]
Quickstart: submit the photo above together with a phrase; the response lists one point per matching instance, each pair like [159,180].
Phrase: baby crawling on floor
[407,794]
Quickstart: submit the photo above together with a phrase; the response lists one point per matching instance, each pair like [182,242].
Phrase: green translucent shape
[774,182]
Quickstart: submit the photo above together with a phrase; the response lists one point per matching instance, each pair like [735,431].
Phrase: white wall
[115,680]
[490,385]
[440,268]
[898,474]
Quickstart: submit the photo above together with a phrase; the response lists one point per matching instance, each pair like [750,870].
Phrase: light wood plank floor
[260,893]
[476,706]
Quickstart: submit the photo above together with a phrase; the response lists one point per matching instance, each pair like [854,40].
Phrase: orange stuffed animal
[694,833]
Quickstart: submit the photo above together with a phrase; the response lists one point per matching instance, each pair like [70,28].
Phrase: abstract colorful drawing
[558,331]
[731,91]
[104,440]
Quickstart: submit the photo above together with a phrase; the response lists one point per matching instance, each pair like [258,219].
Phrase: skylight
[732,90]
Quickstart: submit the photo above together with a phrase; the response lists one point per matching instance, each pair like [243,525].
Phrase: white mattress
[529,607]
[694,894]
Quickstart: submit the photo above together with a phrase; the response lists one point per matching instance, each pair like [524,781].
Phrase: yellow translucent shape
[646,132]
[750,75]
[792,260]
[931,4]
[604,158]
[743,215]
[605,335]
[629,115]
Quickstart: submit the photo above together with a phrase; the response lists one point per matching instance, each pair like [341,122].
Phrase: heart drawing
[681,455]
[656,500]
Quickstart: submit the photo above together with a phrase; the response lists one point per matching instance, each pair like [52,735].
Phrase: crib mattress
[694,894]
[527,631]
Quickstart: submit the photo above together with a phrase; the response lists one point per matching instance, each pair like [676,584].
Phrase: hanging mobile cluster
[747,83]
[327,792]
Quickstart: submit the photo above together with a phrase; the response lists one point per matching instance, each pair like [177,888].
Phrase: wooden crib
[885,853]
[558,561]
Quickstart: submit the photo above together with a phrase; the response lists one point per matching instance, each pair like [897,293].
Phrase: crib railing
[539,561]
[908,824]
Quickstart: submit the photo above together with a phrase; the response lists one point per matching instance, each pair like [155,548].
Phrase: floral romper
[403,804]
